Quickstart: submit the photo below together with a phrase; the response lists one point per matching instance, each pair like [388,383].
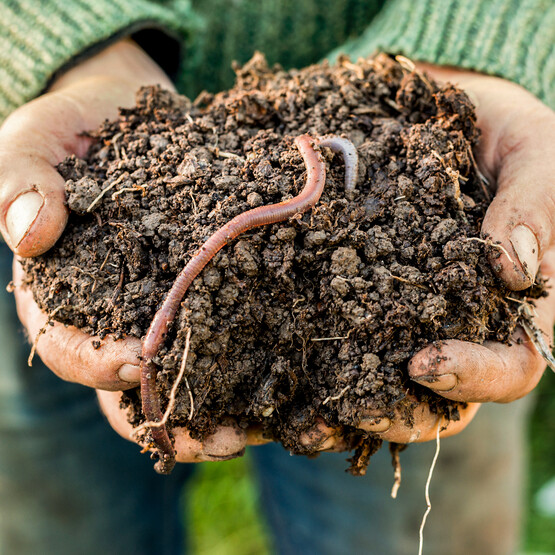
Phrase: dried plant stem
[105,190]
[173,392]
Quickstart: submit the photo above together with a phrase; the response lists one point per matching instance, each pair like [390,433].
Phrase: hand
[516,154]
[33,140]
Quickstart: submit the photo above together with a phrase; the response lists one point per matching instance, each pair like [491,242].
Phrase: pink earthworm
[263,215]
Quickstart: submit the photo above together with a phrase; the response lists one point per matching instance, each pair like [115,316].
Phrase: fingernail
[525,244]
[129,373]
[208,457]
[23,211]
[376,425]
[443,382]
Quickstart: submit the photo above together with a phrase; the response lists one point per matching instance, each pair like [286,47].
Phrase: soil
[315,317]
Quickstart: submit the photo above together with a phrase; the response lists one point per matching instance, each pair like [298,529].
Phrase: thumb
[40,134]
[521,217]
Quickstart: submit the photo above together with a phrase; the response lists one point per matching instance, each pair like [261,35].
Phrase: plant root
[427,490]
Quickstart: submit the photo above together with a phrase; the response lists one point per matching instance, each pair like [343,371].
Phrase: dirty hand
[516,155]
[33,140]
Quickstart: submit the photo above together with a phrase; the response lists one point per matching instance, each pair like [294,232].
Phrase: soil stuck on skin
[316,317]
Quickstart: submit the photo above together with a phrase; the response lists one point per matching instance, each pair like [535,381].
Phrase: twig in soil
[105,260]
[40,332]
[129,189]
[490,243]
[355,68]
[408,65]
[260,216]
[118,288]
[115,144]
[328,338]
[195,208]
[454,175]
[408,282]
[427,490]
[338,396]
[106,189]
[173,392]
[223,154]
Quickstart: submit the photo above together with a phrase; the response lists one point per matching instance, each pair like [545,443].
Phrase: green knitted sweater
[196,40]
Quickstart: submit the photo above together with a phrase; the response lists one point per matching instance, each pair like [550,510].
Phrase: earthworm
[263,215]
[350,158]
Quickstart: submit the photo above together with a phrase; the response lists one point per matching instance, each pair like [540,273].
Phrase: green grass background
[225,516]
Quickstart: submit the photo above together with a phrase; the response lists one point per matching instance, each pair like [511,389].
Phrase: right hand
[33,214]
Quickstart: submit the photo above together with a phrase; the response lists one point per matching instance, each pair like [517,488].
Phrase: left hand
[33,140]
[516,154]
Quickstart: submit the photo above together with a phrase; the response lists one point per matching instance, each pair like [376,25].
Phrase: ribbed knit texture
[293,33]
[514,39]
[37,37]
[511,38]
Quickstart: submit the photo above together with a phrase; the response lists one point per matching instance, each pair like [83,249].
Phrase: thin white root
[492,244]
[191,400]
[427,490]
[173,392]
[338,396]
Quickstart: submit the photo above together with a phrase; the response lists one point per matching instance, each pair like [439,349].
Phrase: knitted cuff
[37,39]
[510,38]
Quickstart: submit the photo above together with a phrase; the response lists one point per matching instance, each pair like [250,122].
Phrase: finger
[76,356]
[424,425]
[493,371]
[518,142]
[515,152]
[226,443]
[33,140]
[39,135]
[322,437]
[464,371]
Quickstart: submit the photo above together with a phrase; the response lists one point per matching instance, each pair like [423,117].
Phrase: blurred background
[226,518]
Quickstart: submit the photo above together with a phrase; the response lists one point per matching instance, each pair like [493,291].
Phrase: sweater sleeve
[513,39]
[38,39]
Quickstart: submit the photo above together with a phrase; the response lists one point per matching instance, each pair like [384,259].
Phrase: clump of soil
[313,317]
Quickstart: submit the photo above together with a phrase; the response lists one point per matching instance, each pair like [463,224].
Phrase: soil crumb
[312,318]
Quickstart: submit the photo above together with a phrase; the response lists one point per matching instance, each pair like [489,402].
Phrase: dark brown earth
[313,317]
